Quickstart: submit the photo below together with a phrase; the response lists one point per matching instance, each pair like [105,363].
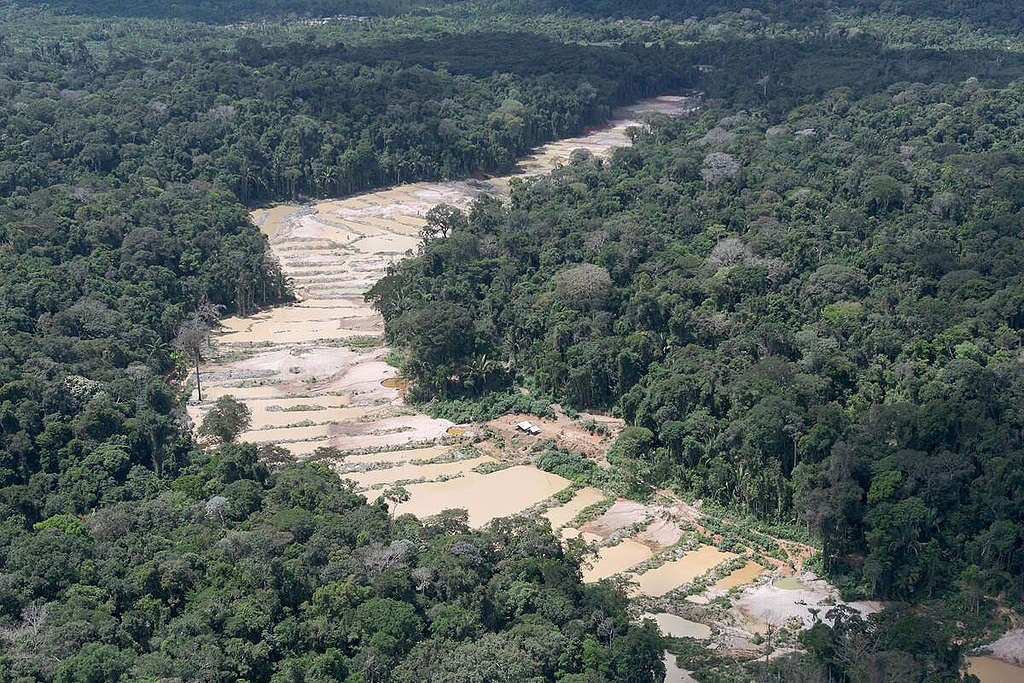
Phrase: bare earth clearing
[326,351]
[314,374]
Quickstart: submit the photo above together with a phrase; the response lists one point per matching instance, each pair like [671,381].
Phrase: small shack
[528,427]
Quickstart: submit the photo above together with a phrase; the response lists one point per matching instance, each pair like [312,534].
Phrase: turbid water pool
[669,576]
[992,670]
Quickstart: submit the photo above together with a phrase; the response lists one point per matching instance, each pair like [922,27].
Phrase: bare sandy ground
[567,433]
[1010,647]
[622,514]
[334,251]
[661,533]
[773,605]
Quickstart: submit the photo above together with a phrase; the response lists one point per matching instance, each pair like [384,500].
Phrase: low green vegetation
[490,406]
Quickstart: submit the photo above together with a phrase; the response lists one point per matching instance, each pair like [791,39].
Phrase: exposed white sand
[622,514]
[1010,646]
[770,604]
[662,533]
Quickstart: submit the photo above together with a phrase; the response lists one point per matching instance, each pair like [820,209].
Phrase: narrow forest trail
[314,373]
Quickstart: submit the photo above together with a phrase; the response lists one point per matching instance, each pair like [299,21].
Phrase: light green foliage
[68,524]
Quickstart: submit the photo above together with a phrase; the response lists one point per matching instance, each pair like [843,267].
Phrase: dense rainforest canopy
[805,300]
[235,574]
[127,552]
[806,303]
[124,178]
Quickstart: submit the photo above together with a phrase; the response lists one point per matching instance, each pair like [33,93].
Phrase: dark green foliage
[847,647]
[123,174]
[297,575]
[226,419]
[565,463]
[224,11]
[805,300]
[281,121]
[94,283]
[827,337]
